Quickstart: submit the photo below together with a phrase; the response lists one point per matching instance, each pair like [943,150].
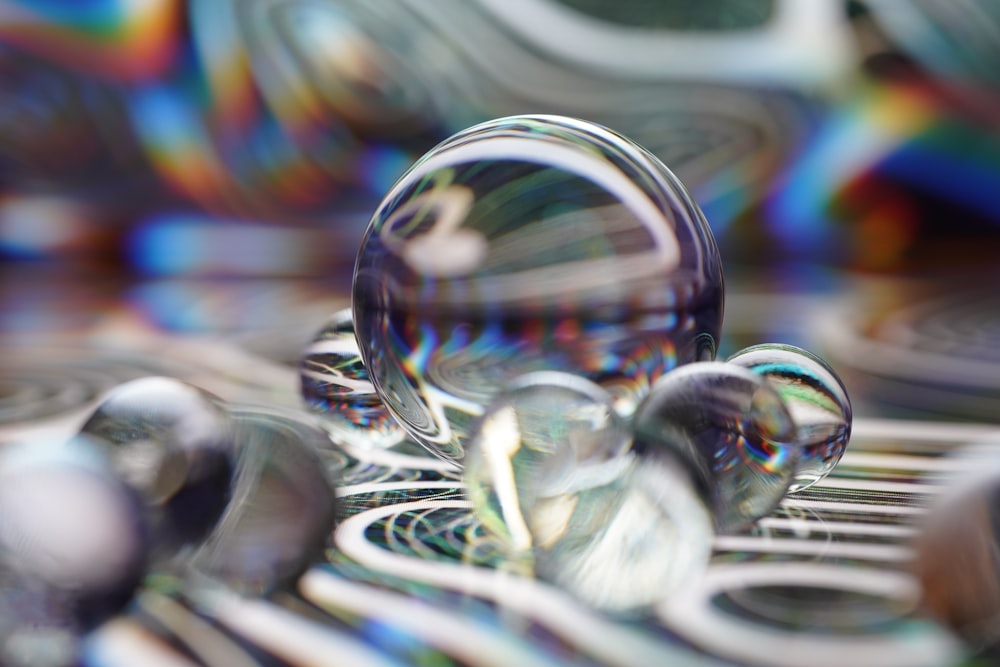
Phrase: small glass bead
[336,388]
[816,399]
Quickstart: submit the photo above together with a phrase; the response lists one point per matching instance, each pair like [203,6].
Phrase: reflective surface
[548,469]
[731,428]
[73,546]
[172,442]
[816,399]
[336,388]
[283,504]
[524,244]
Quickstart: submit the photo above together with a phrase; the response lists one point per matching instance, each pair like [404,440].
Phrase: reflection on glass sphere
[523,244]
[816,399]
[336,388]
[733,430]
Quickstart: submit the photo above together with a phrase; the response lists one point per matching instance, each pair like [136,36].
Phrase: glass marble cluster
[621,510]
[539,300]
[163,477]
[523,244]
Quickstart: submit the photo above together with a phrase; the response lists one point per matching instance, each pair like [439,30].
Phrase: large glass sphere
[523,244]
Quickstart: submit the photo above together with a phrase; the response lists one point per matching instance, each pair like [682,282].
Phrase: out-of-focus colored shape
[41,226]
[757,42]
[884,172]
[957,556]
[530,243]
[193,244]
[282,112]
[959,40]
[124,40]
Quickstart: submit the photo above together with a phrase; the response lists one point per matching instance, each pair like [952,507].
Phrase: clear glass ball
[74,544]
[523,244]
[173,443]
[816,399]
[732,430]
[336,388]
[548,470]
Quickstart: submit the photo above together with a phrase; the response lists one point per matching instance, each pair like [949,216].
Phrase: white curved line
[472,643]
[606,641]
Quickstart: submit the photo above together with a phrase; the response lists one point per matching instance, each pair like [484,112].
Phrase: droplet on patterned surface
[731,428]
[816,399]
[73,547]
[283,506]
[524,244]
[549,471]
[171,442]
[336,388]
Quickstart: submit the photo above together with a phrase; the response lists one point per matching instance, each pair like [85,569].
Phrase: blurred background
[209,166]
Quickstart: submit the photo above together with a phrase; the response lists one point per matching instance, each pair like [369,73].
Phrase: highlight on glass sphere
[173,443]
[523,244]
[548,470]
[733,431]
[816,399]
[336,388]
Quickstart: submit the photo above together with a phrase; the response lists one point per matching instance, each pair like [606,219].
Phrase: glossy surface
[523,244]
[336,388]
[283,506]
[73,546]
[172,442]
[548,470]
[816,399]
[731,428]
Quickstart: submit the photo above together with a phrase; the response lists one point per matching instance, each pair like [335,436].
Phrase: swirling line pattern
[409,576]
